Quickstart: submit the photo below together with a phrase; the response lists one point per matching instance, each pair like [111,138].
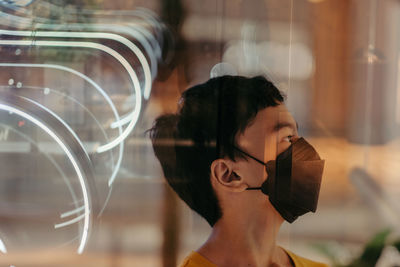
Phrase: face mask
[294,180]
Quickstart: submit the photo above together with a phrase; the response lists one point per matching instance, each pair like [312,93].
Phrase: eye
[288,138]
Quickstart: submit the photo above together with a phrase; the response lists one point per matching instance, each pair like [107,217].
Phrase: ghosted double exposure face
[212,117]
[267,136]
[294,175]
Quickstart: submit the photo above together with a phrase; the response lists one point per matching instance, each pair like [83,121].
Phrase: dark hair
[209,118]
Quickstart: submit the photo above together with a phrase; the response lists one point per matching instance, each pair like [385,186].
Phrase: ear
[225,177]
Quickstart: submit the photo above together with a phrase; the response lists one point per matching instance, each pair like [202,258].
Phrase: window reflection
[82,81]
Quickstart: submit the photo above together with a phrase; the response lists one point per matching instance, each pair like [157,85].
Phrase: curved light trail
[97,87]
[74,162]
[134,116]
[72,212]
[2,247]
[72,221]
[102,35]
[52,160]
[137,32]
[55,164]
[110,181]
[66,125]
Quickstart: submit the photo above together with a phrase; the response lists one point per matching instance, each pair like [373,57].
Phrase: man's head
[196,146]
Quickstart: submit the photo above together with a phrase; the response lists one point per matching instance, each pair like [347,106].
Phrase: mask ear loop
[253,188]
[254,158]
[250,156]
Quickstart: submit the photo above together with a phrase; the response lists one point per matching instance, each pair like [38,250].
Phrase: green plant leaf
[396,244]
[374,248]
[325,249]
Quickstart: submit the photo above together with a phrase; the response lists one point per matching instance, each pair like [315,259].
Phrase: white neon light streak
[23,22]
[3,247]
[111,36]
[51,159]
[111,180]
[66,125]
[72,221]
[72,212]
[134,116]
[137,32]
[135,29]
[98,88]
[124,120]
[143,14]
[149,16]
[86,213]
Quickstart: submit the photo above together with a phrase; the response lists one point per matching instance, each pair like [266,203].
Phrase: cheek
[270,148]
[254,173]
[282,147]
[260,174]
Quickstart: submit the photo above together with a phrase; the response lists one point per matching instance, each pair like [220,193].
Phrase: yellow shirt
[196,260]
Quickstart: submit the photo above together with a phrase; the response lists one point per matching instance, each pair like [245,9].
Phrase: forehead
[267,121]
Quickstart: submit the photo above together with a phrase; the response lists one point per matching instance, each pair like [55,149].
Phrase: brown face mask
[294,180]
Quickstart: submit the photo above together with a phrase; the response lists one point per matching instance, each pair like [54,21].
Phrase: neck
[235,241]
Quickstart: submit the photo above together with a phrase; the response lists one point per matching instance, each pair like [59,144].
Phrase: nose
[294,138]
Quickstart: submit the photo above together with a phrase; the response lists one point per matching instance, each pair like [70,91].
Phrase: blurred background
[82,81]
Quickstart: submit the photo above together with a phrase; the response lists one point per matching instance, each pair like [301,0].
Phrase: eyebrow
[281,125]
